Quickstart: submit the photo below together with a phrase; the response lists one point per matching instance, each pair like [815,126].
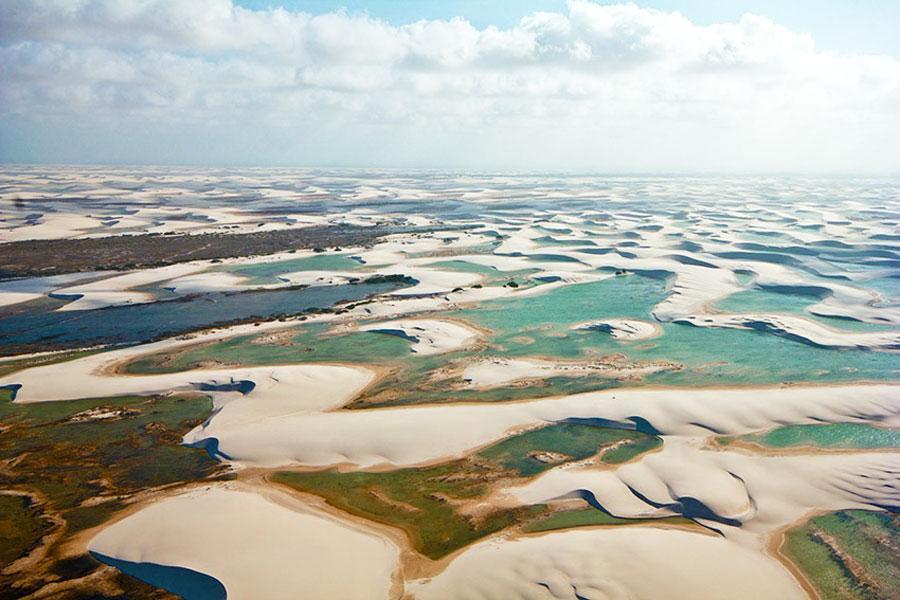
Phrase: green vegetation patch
[419,501]
[848,554]
[437,506]
[537,450]
[587,517]
[631,448]
[74,451]
[21,527]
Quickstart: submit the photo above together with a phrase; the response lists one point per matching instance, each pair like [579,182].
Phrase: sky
[660,86]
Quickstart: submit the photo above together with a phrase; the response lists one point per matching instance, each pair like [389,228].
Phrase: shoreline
[775,548]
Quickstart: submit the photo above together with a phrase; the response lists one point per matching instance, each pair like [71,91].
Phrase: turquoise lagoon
[541,326]
[832,435]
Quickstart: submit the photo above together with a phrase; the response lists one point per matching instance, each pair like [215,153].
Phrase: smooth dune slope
[639,563]
[256,545]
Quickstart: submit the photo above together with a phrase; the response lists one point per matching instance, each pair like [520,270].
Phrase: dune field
[567,393]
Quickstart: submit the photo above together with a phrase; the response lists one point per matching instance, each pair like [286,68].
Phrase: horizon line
[463,170]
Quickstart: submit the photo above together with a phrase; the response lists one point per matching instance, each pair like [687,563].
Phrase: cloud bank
[598,87]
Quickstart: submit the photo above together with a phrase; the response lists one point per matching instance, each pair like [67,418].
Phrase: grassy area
[419,501]
[585,517]
[413,385]
[437,506]
[848,554]
[575,441]
[21,527]
[64,454]
[70,458]
[632,448]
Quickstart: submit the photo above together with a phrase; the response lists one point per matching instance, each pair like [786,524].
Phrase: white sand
[282,394]
[428,336]
[279,391]
[624,329]
[694,289]
[431,281]
[256,546]
[16,291]
[748,496]
[213,281]
[118,290]
[634,563]
[496,372]
[412,435]
[88,376]
[841,300]
[51,226]
[801,329]
[313,278]
[293,416]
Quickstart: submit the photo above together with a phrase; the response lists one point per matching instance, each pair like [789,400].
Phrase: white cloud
[602,87]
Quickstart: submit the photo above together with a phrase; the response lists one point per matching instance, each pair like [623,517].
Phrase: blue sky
[655,86]
[866,26]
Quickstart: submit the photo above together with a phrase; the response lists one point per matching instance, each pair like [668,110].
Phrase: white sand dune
[280,392]
[275,391]
[635,563]
[51,226]
[707,248]
[800,329]
[118,290]
[745,496]
[505,263]
[213,281]
[316,277]
[409,435]
[429,281]
[840,300]
[257,546]
[109,288]
[91,376]
[15,291]
[623,329]
[520,241]
[412,435]
[496,372]
[398,248]
[695,288]
[428,336]
[432,281]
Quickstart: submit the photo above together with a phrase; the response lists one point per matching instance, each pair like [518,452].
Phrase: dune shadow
[187,583]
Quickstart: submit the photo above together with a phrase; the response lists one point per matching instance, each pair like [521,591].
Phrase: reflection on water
[186,583]
[140,322]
